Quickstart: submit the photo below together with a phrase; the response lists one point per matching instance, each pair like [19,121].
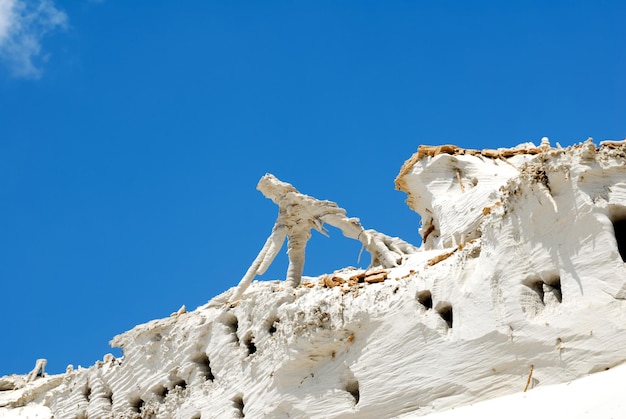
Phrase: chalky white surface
[535,279]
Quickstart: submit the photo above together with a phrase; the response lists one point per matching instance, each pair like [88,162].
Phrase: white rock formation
[298,214]
[520,282]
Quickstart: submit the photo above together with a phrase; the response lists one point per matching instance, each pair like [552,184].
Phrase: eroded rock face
[522,267]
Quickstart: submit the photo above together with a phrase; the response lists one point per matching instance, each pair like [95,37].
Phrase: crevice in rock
[617,215]
[620,236]
[239,405]
[539,292]
[137,404]
[109,396]
[445,311]
[161,392]
[352,387]
[87,392]
[179,383]
[231,322]
[272,324]
[536,286]
[425,298]
[532,297]
[540,176]
[249,342]
[552,291]
[204,366]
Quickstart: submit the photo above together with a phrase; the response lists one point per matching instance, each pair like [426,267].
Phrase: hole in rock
[204,366]
[161,391]
[534,294]
[238,405]
[445,311]
[553,289]
[87,393]
[618,218]
[272,325]
[197,416]
[231,322]
[180,383]
[425,299]
[352,387]
[537,287]
[249,342]
[137,404]
[109,397]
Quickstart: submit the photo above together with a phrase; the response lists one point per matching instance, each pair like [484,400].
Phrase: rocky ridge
[520,283]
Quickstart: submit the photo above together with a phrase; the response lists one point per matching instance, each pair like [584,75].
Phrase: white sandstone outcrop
[298,214]
[520,281]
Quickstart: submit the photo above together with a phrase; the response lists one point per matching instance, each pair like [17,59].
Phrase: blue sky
[132,136]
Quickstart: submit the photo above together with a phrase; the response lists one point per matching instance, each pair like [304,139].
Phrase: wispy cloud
[23,24]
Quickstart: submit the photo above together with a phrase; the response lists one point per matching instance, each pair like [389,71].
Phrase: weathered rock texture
[521,268]
[297,215]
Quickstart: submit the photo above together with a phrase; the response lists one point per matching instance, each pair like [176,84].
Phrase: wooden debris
[375,272]
[375,275]
[530,376]
[333,281]
[353,281]
[487,152]
[372,279]
[411,272]
[612,143]
[446,255]
[440,257]
[487,210]
[433,150]
[330,281]
[358,277]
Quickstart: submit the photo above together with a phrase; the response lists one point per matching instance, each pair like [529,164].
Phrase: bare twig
[530,376]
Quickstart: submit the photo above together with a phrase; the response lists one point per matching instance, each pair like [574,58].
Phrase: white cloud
[6,10]
[23,24]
